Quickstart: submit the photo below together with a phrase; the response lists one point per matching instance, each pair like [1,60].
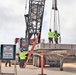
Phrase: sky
[12,21]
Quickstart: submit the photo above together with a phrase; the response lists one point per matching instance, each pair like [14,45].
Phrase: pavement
[69,69]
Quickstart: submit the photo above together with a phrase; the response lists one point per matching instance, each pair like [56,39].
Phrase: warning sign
[8,52]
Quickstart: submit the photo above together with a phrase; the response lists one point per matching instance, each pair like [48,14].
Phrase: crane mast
[34,19]
[55,19]
[54,4]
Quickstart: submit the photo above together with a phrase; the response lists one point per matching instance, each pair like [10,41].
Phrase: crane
[34,19]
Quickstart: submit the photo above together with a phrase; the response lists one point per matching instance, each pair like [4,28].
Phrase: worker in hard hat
[56,35]
[50,36]
[22,55]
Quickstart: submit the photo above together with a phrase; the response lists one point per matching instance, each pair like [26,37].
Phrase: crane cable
[56,12]
[59,28]
[50,21]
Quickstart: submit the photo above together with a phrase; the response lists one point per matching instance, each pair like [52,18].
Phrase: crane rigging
[55,19]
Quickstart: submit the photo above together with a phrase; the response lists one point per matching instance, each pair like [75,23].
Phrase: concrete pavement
[69,69]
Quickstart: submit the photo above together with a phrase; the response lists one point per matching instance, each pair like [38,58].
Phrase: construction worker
[56,35]
[59,38]
[22,56]
[50,36]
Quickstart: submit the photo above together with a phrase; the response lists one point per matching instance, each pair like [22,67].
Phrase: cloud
[12,21]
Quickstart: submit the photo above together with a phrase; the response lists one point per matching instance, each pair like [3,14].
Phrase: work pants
[56,40]
[50,40]
[22,63]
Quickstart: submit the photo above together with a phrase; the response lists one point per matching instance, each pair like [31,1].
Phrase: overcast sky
[12,22]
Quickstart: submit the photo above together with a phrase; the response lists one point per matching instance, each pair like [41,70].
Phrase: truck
[54,54]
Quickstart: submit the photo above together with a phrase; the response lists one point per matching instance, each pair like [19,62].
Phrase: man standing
[22,57]
[50,36]
[56,35]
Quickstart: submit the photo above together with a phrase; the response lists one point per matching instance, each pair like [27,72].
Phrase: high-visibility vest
[25,54]
[50,34]
[22,55]
[55,35]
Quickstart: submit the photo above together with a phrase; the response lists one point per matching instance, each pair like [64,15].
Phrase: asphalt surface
[68,69]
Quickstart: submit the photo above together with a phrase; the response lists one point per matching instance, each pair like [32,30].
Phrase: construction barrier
[42,64]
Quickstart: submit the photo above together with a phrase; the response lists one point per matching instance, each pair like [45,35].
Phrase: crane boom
[34,19]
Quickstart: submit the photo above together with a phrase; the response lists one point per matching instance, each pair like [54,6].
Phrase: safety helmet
[55,31]
[49,29]
[21,49]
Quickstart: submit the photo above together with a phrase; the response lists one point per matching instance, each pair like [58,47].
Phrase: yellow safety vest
[22,55]
[50,34]
[55,35]
[25,54]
